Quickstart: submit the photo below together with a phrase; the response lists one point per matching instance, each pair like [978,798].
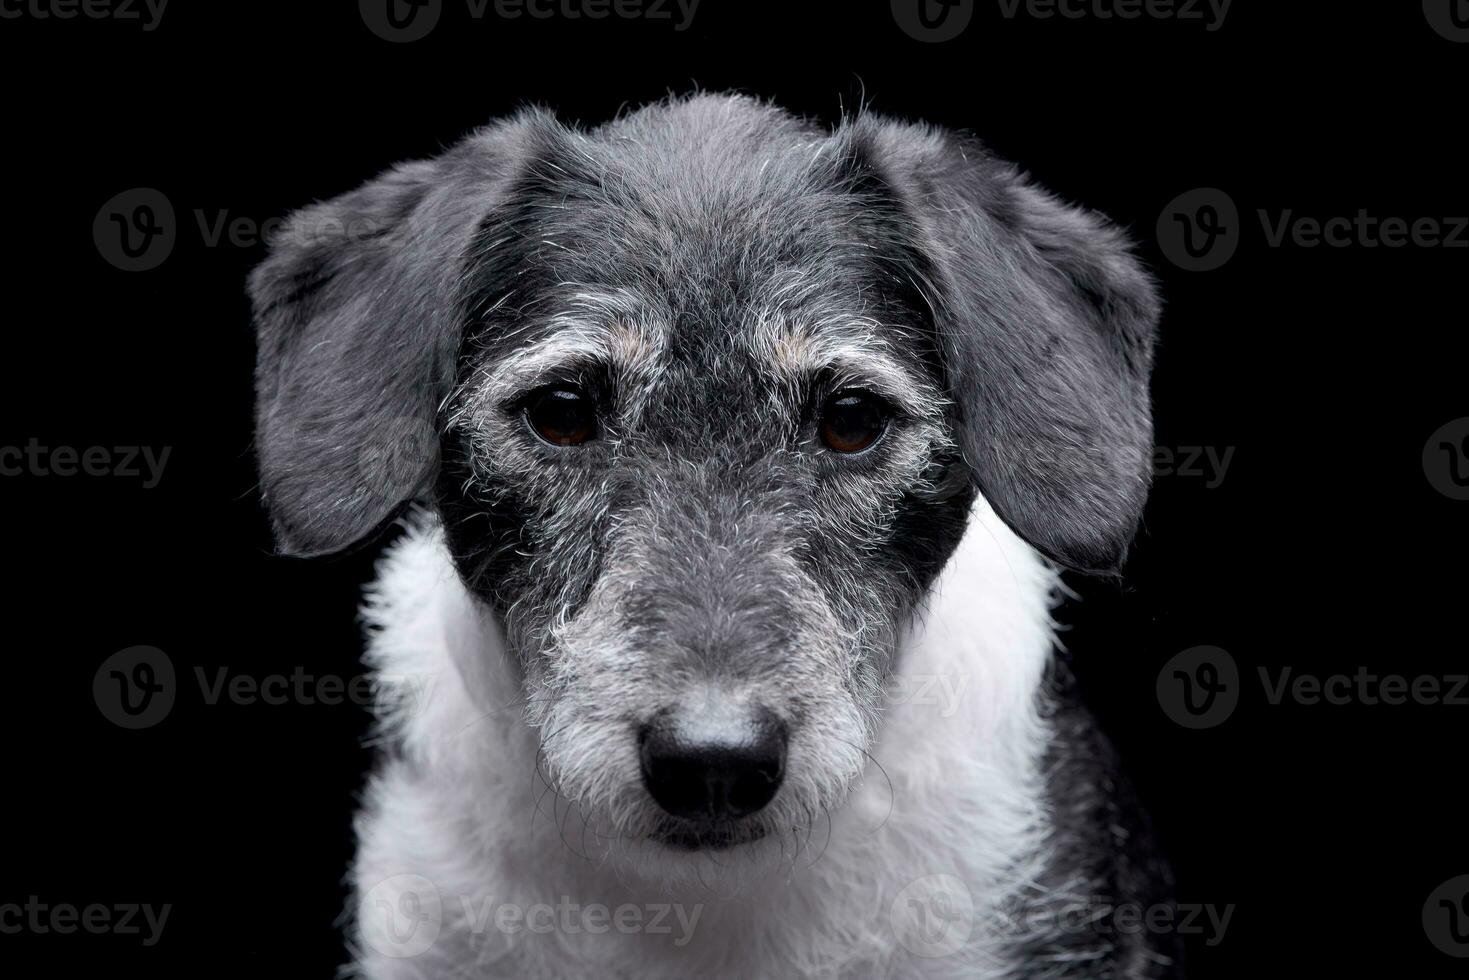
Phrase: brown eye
[852,420]
[562,416]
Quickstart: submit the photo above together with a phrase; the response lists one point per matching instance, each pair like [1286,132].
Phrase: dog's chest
[913,876]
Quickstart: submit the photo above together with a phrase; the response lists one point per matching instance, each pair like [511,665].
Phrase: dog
[735,460]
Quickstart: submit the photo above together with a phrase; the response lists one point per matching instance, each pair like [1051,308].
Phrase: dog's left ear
[1045,324]
[358,317]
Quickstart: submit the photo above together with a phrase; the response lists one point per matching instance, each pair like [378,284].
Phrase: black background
[1325,547]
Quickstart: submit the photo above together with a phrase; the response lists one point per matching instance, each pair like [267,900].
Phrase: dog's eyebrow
[594,328]
[854,350]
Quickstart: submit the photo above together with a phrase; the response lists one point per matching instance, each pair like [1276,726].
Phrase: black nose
[713,780]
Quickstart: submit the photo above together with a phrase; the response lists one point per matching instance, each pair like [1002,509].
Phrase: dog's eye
[562,416]
[851,421]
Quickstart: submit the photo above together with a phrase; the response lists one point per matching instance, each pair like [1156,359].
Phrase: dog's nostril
[706,780]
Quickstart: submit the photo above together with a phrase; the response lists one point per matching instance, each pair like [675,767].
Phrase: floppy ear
[358,315]
[1046,324]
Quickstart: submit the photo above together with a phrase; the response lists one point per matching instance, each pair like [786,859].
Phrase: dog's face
[704,468]
[712,393]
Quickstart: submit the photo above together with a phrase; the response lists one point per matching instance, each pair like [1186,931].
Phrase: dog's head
[703,398]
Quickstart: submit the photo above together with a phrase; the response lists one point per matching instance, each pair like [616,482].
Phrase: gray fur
[357,327]
[1047,323]
[1044,318]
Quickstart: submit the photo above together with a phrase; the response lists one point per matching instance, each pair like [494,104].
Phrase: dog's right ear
[1045,321]
[358,314]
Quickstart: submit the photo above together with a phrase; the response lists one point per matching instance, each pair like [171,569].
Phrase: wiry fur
[946,792]
[710,272]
